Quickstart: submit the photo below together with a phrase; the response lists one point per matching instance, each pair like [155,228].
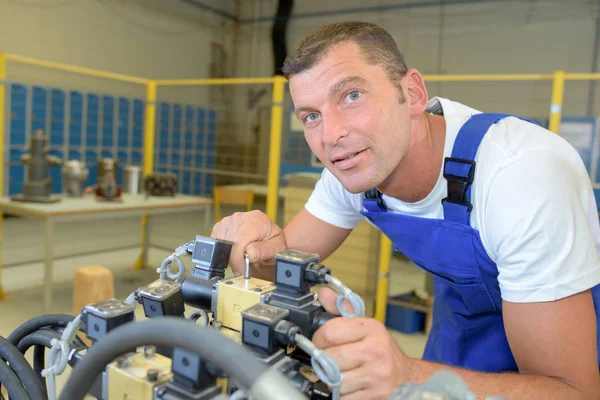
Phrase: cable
[195,316]
[236,361]
[41,339]
[12,384]
[22,369]
[165,267]
[51,320]
[58,359]
[345,293]
[324,366]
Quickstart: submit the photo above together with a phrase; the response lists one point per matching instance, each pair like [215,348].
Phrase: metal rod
[558,87]
[78,70]
[247,269]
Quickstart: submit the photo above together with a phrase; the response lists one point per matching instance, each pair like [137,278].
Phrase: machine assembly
[245,338]
[160,184]
[108,176]
[75,175]
[38,183]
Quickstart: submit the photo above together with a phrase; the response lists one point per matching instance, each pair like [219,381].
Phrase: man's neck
[416,176]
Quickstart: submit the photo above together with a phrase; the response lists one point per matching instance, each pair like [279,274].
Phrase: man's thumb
[327,297]
[263,251]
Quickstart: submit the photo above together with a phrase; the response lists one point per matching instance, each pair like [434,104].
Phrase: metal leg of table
[48,239]
[146,244]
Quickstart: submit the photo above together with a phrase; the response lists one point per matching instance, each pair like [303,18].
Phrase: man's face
[353,118]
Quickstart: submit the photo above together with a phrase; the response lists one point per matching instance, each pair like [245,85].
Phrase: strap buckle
[374,194]
[458,185]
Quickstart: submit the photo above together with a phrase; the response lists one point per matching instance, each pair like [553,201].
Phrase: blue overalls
[468,329]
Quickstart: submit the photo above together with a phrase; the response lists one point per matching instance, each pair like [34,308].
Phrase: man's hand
[371,363]
[254,233]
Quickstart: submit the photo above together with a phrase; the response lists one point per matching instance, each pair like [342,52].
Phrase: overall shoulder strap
[459,168]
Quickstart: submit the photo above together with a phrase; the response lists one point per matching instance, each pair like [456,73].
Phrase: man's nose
[334,128]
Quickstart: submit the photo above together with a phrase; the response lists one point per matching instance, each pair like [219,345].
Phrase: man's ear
[417,92]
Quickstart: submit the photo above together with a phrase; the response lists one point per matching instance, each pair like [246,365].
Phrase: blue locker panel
[74,154]
[136,158]
[188,140]
[175,158]
[188,159]
[212,130]
[57,117]
[201,128]
[108,113]
[138,124]
[123,129]
[177,125]
[16,172]
[186,182]
[198,160]
[210,161]
[93,119]
[198,183]
[162,170]
[165,116]
[39,109]
[18,106]
[163,158]
[106,153]
[76,115]
[91,160]
[55,172]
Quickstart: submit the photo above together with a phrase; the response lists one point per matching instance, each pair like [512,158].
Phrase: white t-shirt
[533,206]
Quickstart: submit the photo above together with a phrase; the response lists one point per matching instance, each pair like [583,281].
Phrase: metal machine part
[75,175]
[210,257]
[104,316]
[108,176]
[161,298]
[135,376]
[132,179]
[160,184]
[38,183]
[236,295]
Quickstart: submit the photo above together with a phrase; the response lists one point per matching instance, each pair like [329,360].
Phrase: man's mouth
[348,157]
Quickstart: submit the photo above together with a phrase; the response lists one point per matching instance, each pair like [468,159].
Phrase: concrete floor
[23,250]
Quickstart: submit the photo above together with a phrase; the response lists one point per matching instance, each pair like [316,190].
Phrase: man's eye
[353,96]
[311,117]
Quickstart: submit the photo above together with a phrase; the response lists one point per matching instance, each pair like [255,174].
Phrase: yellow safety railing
[558,79]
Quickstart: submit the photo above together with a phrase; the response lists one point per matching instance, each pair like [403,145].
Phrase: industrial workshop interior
[299,199]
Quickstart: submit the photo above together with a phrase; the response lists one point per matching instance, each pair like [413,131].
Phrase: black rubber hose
[230,357]
[12,384]
[24,371]
[41,339]
[58,320]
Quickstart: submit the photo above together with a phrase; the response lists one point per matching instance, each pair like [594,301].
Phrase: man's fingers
[349,356]
[338,331]
[327,297]
[355,381]
[260,251]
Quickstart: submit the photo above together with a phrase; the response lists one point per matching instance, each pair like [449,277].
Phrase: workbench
[87,208]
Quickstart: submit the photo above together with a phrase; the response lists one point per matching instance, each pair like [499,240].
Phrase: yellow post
[2,125]
[149,129]
[385,254]
[275,147]
[558,88]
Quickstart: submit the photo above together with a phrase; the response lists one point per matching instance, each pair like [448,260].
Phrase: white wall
[146,38]
[496,37]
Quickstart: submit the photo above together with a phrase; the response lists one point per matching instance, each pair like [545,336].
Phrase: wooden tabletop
[89,205]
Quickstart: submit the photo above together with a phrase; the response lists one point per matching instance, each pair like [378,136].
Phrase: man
[500,210]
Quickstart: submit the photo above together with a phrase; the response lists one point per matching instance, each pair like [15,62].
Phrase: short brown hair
[376,44]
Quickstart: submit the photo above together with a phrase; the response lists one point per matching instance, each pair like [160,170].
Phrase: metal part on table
[75,175]
[108,176]
[133,178]
[38,183]
[160,184]
[136,376]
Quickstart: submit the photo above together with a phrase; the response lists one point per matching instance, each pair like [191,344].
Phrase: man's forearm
[509,385]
